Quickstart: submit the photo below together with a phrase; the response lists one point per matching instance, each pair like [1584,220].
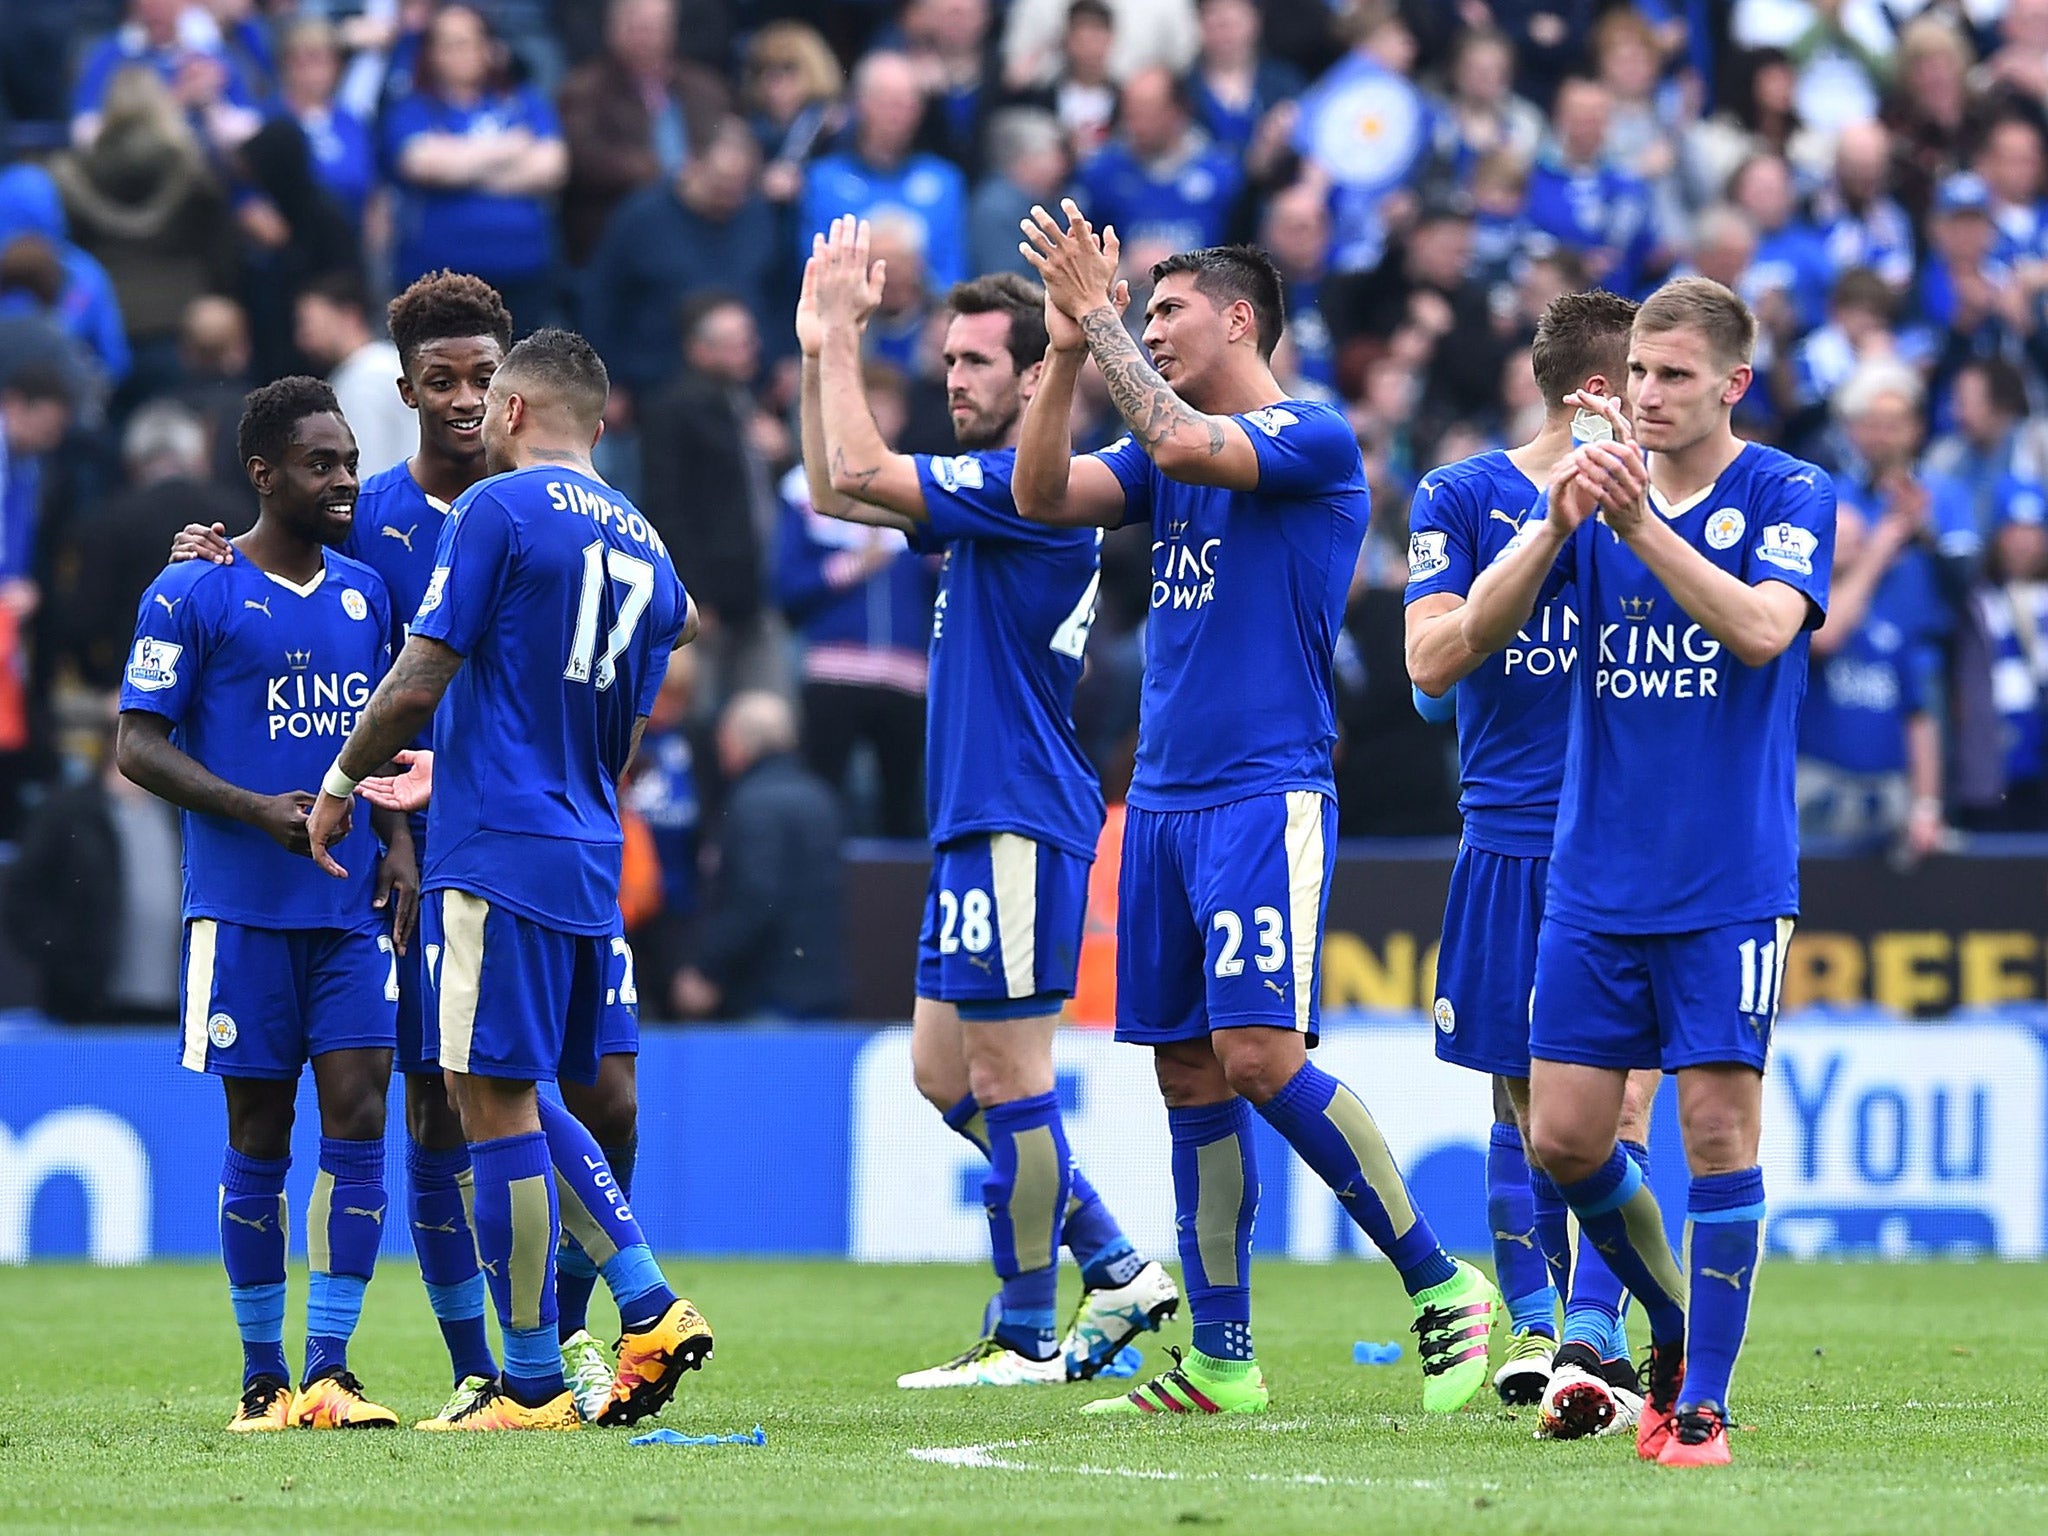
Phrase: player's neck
[1248,387]
[277,551]
[441,477]
[1540,455]
[558,456]
[1688,471]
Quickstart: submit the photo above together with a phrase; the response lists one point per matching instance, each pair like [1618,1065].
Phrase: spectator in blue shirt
[1861,224]
[1234,87]
[1869,749]
[2010,161]
[1160,181]
[1481,115]
[1966,297]
[1791,265]
[1296,234]
[1860,312]
[881,174]
[1584,202]
[87,308]
[707,229]
[344,160]
[1982,453]
[476,160]
[183,44]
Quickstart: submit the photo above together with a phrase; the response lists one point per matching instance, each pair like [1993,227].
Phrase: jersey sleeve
[1303,450]
[169,650]
[968,497]
[664,640]
[1794,540]
[1132,467]
[1441,557]
[471,565]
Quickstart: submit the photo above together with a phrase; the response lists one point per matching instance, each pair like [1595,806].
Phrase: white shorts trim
[462,970]
[1013,870]
[202,936]
[1304,845]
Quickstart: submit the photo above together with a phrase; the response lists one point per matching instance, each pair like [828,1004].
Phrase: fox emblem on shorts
[221,1030]
[1446,1016]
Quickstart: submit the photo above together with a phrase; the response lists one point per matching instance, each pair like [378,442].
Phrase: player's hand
[408,791]
[283,818]
[195,542]
[327,825]
[810,325]
[1610,406]
[1619,481]
[849,286]
[1570,498]
[1062,330]
[398,889]
[1077,267]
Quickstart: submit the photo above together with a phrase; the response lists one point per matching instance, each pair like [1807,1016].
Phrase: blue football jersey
[262,682]
[1016,602]
[564,605]
[1248,593]
[1677,810]
[397,529]
[1512,707]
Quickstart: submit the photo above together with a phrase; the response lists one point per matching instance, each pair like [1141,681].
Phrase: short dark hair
[1861,288]
[1577,336]
[270,412]
[1007,293]
[562,364]
[1091,10]
[2003,382]
[341,288]
[701,306]
[1227,273]
[446,306]
[40,378]
[30,264]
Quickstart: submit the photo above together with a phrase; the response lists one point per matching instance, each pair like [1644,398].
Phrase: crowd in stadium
[200,197]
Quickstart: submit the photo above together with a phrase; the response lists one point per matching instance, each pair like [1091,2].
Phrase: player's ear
[262,475]
[1027,381]
[407,393]
[1738,384]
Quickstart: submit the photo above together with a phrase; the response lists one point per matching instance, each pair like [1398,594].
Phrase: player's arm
[1047,482]
[396,714]
[1507,591]
[1757,623]
[146,755]
[693,624]
[1434,639]
[1080,280]
[859,466]
[398,874]
[810,337]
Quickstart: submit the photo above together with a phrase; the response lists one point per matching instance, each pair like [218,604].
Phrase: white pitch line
[983,1458]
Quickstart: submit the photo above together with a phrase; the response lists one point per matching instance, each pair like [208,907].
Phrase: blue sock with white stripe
[252,1242]
[518,1227]
[1551,1218]
[575,1272]
[438,1206]
[1215,1202]
[1518,1262]
[1726,1213]
[1335,1135]
[344,1227]
[594,1205]
[1025,1194]
[1619,1217]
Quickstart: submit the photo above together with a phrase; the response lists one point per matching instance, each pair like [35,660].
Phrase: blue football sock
[1518,1261]
[518,1228]
[344,1226]
[437,1199]
[1327,1125]
[1619,1217]
[1726,1212]
[1617,1340]
[1215,1201]
[575,1274]
[252,1239]
[594,1209]
[1089,1232]
[1552,1218]
[1025,1195]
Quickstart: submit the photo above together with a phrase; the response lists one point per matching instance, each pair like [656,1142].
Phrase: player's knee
[355,1113]
[1719,1138]
[1260,1062]
[430,1120]
[1561,1149]
[941,1085]
[1188,1080]
[264,1133]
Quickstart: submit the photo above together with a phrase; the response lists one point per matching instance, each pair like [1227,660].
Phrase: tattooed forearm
[401,707]
[1150,408]
[852,482]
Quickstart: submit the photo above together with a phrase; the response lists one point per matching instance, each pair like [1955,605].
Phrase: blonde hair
[1703,305]
[797,44]
[1928,34]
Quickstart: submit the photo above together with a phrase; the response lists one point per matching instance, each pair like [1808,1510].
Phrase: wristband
[337,783]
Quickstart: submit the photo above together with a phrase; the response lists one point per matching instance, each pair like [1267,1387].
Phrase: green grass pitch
[1871,1398]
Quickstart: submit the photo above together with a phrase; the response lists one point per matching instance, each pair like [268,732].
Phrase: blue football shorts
[262,1002]
[1486,964]
[1220,917]
[1666,1000]
[507,997]
[1003,917]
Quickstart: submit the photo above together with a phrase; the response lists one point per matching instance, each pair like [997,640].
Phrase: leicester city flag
[1364,125]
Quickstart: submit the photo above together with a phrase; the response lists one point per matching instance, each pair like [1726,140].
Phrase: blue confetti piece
[1365,1352]
[1125,1364]
[677,1437]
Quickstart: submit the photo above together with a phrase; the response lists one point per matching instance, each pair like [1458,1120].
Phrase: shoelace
[1177,1376]
[346,1380]
[1696,1426]
[1658,1394]
[1434,1328]
[261,1393]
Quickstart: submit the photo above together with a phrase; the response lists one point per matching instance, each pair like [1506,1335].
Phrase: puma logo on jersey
[356,1210]
[1734,1279]
[170,604]
[1803,477]
[404,538]
[981,962]
[1526,1239]
[257,1224]
[1429,488]
[262,607]
[1513,522]
[1278,989]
